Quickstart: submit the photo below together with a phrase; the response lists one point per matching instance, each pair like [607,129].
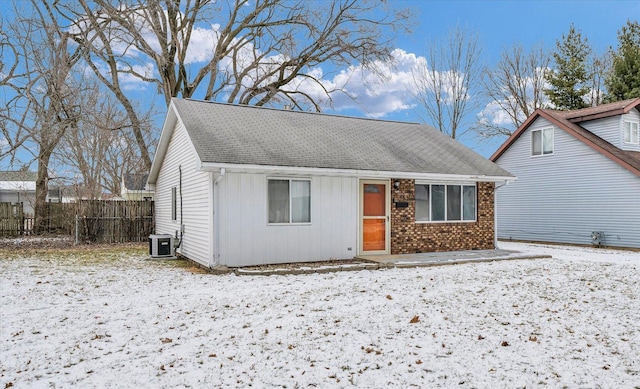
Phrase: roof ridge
[297,112]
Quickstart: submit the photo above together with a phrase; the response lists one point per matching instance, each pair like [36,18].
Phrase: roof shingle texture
[18,175]
[233,134]
[135,181]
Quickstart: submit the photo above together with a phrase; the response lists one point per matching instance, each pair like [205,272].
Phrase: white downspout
[495,214]
[216,220]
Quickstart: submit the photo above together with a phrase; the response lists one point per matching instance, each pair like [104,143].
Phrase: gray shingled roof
[135,181]
[18,175]
[233,134]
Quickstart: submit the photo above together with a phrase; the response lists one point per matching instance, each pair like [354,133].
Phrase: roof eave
[163,144]
[516,134]
[298,170]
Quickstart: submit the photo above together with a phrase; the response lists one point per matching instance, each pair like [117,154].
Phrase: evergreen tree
[569,80]
[623,81]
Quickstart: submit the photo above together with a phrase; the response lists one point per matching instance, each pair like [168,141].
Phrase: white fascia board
[239,168]
[163,144]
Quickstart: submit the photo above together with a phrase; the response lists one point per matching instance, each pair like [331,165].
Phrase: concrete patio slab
[374,262]
[447,258]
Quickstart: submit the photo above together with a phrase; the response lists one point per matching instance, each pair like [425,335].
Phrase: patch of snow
[130,322]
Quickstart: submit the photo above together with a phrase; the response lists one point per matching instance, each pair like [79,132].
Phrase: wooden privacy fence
[12,221]
[114,221]
[101,221]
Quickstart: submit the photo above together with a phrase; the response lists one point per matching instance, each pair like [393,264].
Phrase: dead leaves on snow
[370,350]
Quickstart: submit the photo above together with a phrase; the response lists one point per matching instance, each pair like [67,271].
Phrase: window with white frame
[289,200]
[630,130]
[441,203]
[542,141]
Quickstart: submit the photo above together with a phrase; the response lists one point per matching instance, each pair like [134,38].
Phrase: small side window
[174,204]
[630,130]
[542,141]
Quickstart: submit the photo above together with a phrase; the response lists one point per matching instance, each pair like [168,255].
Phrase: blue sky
[501,24]
[498,24]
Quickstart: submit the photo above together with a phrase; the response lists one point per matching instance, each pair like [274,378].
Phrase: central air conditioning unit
[597,238]
[161,246]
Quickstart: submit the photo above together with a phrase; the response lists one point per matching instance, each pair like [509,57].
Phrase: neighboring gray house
[18,187]
[249,185]
[578,173]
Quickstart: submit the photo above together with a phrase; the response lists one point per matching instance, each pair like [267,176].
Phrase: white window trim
[553,142]
[174,203]
[633,140]
[461,185]
[290,202]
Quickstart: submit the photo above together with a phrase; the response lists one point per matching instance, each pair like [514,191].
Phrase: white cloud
[495,115]
[378,89]
[203,42]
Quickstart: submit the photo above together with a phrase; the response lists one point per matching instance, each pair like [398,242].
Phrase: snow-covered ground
[125,321]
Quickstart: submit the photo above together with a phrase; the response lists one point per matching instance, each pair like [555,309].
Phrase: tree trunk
[42,186]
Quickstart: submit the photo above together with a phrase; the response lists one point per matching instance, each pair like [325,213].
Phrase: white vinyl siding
[612,129]
[445,203]
[247,238]
[566,197]
[195,187]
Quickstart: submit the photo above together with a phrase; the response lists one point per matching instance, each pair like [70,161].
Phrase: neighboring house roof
[135,181]
[569,122]
[258,136]
[18,176]
[18,181]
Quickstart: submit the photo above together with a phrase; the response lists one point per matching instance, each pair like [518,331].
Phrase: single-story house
[133,187]
[578,177]
[19,187]
[245,185]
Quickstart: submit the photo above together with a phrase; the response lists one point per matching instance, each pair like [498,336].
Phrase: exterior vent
[597,238]
[161,246]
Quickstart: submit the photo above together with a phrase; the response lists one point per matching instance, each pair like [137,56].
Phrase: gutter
[364,174]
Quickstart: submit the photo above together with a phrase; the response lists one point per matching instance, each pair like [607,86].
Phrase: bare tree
[515,87]
[97,156]
[599,66]
[8,67]
[41,93]
[448,79]
[253,57]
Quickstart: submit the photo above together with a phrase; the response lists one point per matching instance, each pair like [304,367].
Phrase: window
[438,202]
[542,141]
[174,204]
[289,201]
[630,132]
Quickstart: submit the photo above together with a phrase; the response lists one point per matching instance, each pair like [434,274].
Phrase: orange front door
[374,216]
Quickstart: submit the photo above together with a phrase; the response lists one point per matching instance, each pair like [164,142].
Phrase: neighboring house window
[542,141]
[436,202]
[631,132]
[174,204]
[289,201]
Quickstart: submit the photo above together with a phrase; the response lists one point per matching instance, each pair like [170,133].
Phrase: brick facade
[407,236]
